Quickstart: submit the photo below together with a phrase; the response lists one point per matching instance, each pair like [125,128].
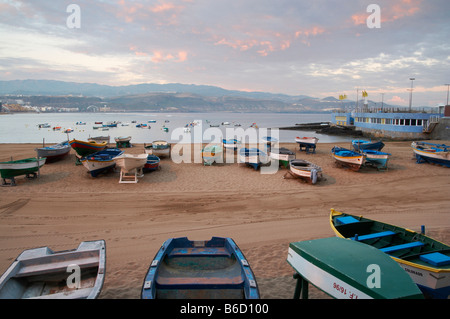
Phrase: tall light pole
[410,95]
[382,98]
[448,85]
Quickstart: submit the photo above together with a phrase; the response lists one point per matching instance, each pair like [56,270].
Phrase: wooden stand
[131,177]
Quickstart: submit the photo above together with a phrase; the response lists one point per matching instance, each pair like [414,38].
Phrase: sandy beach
[263,213]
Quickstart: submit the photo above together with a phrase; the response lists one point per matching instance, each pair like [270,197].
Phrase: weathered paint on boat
[431,153]
[83,148]
[348,158]
[55,152]
[101,161]
[25,166]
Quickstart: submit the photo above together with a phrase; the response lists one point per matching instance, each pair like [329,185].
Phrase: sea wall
[442,130]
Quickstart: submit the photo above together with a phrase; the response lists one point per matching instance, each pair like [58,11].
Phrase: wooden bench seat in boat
[391,249]
[436,259]
[43,268]
[346,220]
[373,236]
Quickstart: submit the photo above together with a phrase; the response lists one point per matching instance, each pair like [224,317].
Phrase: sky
[317,48]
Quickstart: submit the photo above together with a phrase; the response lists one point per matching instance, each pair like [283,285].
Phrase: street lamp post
[410,94]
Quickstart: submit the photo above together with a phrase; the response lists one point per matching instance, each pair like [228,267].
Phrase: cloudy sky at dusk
[317,48]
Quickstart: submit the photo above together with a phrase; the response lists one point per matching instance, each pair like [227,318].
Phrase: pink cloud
[160,57]
[397,99]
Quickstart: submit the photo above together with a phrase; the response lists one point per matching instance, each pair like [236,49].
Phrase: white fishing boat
[283,155]
[305,170]
[41,273]
[131,167]
[431,153]
[348,158]
[159,148]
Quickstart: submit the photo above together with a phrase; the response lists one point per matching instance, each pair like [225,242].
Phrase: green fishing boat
[346,269]
[28,167]
[425,259]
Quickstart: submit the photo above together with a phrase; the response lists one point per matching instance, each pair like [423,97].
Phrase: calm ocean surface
[23,128]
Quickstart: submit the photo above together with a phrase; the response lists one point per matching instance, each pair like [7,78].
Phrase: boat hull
[12,169]
[431,153]
[361,145]
[152,163]
[376,158]
[159,148]
[128,163]
[344,275]
[83,148]
[211,154]
[348,158]
[252,157]
[213,269]
[33,273]
[305,170]
[55,152]
[433,280]
[100,162]
[282,155]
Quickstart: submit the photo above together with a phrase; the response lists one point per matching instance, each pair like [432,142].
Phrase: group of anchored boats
[367,259]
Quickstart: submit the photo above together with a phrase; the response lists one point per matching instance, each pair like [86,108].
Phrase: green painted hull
[347,269]
[12,169]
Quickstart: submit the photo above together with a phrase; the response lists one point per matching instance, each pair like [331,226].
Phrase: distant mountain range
[161,97]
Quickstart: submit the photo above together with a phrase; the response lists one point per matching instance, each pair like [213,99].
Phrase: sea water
[24,127]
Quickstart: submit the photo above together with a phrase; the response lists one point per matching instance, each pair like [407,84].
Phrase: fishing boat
[230,144]
[159,148]
[211,154]
[346,269]
[209,269]
[282,155]
[111,124]
[28,167]
[348,158]
[81,123]
[44,125]
[83,148]
[68,130]
[122,139]
[152,163]
[41,273]
[252,157]
[426,260]
[307,144]
[305,170]
[55,152]
[99,139]
[152,121]
[101,161]
[130,162]
[376,159]
[56,128]
[431,153]
[360,145]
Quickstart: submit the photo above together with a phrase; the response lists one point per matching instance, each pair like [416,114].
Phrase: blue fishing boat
[425,260]
[152,163]
[348,158]
[431,153]
[212,269]
[101,161]
[377,159]
[231,144]
[360,145]
[253,157]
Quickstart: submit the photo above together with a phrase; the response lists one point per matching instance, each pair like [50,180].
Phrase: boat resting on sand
[426,260]
[83,148]
[376,159]
[101,161]
[211,269]
[152,163]
[211,154]
[348,158]
[28,166]
[361,145]
[42,273]
[253,157]
[230,144]
[55,152]
[305,170]
[130,162]
[159,148]
[343,269]
[431,153]
[282,155]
